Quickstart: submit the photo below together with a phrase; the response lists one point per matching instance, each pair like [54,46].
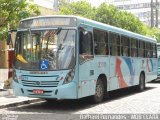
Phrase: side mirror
[9,39]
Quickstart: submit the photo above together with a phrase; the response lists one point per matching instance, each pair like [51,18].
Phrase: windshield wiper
[58,30]
[55,33]
[60,47]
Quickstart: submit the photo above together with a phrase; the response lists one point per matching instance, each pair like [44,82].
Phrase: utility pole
[152,14]
[156,7]
[56,5]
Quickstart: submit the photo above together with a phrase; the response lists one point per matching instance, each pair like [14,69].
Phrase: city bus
[70,57]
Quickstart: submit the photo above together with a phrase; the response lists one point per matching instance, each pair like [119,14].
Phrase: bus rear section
[158,55]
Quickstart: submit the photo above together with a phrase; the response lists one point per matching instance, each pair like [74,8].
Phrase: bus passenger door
[115,61]
[86,71]
[113,79]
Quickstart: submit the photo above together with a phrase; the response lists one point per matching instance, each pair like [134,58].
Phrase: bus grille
[40,83]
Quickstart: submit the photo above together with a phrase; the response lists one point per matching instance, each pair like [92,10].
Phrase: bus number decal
[101,64]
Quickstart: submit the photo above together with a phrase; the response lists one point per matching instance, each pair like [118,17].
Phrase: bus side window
[141,49]
[125,46]
[148,49]
[85,44]
[154,50]
[114,44]
[100,42]
[134,47]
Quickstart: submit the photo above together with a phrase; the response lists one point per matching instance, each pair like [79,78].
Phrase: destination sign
[47,22]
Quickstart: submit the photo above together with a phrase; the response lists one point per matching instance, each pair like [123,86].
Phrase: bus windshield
[57,47]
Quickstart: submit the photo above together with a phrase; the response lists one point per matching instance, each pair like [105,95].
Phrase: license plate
[38,91]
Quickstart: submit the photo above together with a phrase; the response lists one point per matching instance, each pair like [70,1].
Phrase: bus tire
[99,93]
[50,100]
[141,85]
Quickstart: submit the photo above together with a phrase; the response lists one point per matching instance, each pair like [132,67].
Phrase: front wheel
[99,93]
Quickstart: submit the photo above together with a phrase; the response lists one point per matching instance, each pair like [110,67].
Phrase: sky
[94,2]
[45,3]
[49,3]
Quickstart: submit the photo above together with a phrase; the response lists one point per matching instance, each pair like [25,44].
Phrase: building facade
[46,8]
[140,8]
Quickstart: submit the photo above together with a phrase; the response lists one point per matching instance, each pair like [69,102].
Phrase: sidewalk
[5,92]
[7,99]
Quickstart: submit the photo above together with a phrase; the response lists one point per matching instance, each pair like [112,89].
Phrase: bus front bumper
[66,91]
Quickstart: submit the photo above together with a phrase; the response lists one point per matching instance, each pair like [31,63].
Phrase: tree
[155,33]
[109,14]
[80,8]
[105,13]
[11,11]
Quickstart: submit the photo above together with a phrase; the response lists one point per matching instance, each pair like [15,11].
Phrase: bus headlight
[14,76]
[69,76]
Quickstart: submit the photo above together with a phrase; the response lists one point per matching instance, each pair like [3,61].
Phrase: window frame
[115,44]
[125,46]
[97,41]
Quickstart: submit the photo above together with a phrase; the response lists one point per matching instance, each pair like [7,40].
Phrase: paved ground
[121,101]
[7,99]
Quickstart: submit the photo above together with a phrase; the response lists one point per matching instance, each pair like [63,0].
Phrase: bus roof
[102,26]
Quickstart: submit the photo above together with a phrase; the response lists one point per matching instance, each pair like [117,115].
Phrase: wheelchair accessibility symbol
[44,65]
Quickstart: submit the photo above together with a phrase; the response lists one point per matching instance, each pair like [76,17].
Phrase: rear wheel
[141,85]
[99,94]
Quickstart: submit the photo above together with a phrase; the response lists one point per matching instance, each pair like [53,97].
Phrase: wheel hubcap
[142,83]
[99,91]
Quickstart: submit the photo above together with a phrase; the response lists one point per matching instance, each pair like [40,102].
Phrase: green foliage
[155,33]
[81,8]
[106,13]
[109,14]
[129,22]
[11,11]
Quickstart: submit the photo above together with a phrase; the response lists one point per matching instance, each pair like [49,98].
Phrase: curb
[5,92]
[20,103]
